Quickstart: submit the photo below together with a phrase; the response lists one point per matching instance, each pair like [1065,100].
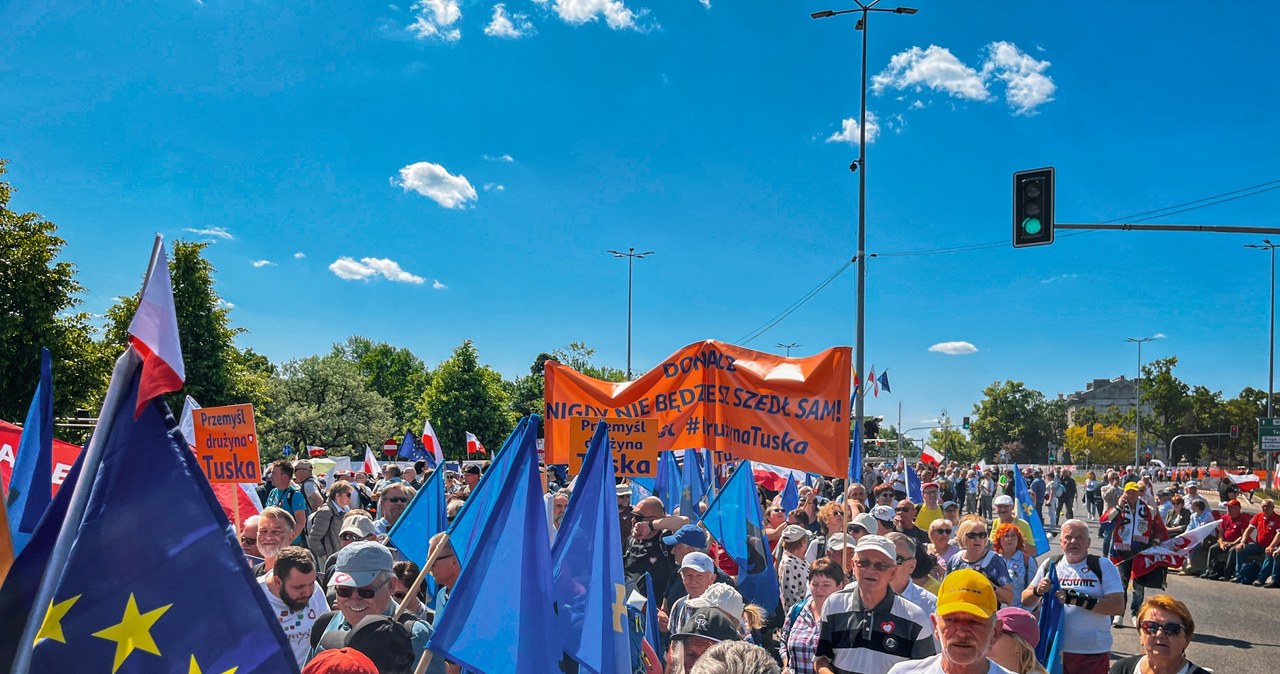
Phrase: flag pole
[422,575]
[844,532]
[235,506]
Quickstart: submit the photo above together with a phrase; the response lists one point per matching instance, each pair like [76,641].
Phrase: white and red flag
[371,467]
[931,456]
[314,452]
[473,444]
[1172,553]
[153,332]
[431,443]
[774,478]
[1246,483]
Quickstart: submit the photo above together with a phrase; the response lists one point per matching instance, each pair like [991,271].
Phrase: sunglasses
[398,499]
[900,559]
[855,529]
[975,535]
[943,532]
[1170,629]
[348,538]
[364,592]
[903,509]
[248,541]
[879,566]
[399,596]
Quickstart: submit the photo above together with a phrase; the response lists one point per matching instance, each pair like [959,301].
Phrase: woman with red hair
[1008,543]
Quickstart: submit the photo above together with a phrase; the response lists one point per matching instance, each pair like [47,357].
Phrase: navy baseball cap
[689,534]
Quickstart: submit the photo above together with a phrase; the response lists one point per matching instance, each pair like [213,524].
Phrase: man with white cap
[964,624]
[883,515]
[698,573]
[869,628]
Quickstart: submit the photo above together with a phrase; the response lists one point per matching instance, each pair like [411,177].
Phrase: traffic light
[1088,431]
[1033,208]
[966,423]
[1235,431]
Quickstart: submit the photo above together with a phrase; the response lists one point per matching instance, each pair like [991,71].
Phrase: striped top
[857,639]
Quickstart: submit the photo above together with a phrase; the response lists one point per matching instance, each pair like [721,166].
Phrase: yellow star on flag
[195,668]
[133,632]
[52,626]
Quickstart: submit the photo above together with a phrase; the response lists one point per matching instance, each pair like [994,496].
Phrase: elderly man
[1136,527]
[688,538]
[1257,537]
[904,520]
[1005,515]
[646,553]
[356,526]
[1091,591]
[901,583]
[275,527]
[285,494]
[395,498]
[306,481]
[1230,532]
[362,582]
[249,537]
[931,509]
[868,627]
[295,597]
[699,573]
[964,625]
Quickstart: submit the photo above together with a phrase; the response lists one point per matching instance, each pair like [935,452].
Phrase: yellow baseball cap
[967,591]
[1133,486]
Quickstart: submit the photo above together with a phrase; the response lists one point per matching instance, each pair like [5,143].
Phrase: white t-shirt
[296,624]
[933,665]
[1085,631]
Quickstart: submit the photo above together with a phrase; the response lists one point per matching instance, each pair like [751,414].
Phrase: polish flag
[431,443]
[473,444]
[153,332]
[774,478]
[1172,553]
[313,451]
[931,456]
[1246,483]
[371,467]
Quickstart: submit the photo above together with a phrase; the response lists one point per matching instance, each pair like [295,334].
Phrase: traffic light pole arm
[1228,229]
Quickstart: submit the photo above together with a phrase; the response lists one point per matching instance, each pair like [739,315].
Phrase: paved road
[1237,631]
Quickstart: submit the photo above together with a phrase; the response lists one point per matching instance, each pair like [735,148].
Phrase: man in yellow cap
[1136,527]
[964,624]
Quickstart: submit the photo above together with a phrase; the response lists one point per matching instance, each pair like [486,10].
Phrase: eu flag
[500,617]
[667,487]
[692,490]
[914,491]
[1027,508]
[590,584]
[1052,616]
[855,456]
[423,518]
[790,495]
[734,519]
[30,484]
[467,526]
[154,579]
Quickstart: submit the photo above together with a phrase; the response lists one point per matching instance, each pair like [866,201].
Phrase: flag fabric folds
[1052,616]
[736,522]
[468,524]
[914,487]
[590,584]
[855,455]
[371,467]
[1027,510]
[667,486]
[1174,552]
[1245,483]
[884,381]
[652,631]
[153,332]
[873,383]
[473,444]
[639,492]
[790,497]
[423,518]
[930,455]
[409,449]
[431,444]
[500,617]
[692,488]
[29,492]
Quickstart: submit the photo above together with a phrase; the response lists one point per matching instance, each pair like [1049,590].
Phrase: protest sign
[64,454]
[227,443]
[633,444]
[791,412]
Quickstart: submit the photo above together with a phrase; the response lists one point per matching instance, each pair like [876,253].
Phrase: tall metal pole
[1137,414]
[860,328]
[1271,351]
[631,256]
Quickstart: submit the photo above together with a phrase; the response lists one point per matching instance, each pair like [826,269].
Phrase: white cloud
[578,12]
[1026,84]
[495,186]
[223,304]
[435,183]
[438,285]
[259,264]
[434,19]
[848,132]
[1059,277]
[511,26]
[299,255]
[348,269]
[501,157]
[917,104]
[933,68]
[1158,335]
[218,232]
[954,348]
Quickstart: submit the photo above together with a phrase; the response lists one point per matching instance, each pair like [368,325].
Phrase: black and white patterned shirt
[863,640]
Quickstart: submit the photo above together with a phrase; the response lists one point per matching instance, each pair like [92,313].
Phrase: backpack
[321,625]
[1091,560]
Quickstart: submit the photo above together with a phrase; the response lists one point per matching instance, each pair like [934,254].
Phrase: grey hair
[902,539]
[736,657]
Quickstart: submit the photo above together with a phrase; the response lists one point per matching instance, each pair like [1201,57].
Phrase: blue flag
[652,630]
[914,492]
[1027,508]
[500,617]
[639,492]
[884,381]
[855,456]
[667,487]
[1052,616]
[30,485]
[692,488]
[590,584]
[708,471]
[409,449]
[467,525]
[790,495]
[735,520]
[139,607]
[423,518]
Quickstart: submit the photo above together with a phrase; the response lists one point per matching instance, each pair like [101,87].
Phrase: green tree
[38,301]
[1206,413]
[1011,417]
[394,373]
[954,445]
[528,392]
[1109,445]
[217,372]
[323,401]
[467,396]
[1167,396]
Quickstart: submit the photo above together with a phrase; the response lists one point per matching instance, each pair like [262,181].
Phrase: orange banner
[227,443]
[791,412]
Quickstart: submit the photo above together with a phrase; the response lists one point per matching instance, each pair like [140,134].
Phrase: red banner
[791,412]
[64,454]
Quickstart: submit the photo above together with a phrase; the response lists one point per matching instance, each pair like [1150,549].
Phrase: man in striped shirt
[868,629]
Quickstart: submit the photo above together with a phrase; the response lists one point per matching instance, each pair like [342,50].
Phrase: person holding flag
[1137,526]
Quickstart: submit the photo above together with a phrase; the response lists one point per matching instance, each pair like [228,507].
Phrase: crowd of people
[869,579]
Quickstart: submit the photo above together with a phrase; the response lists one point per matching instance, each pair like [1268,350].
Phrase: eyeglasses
[776,510]
[900,559]
[1150,627]
[248,541]
[399,596]
[364,592]
[442,557]
[942,532]
[349,538]
[398,499]
[903,509]
[975,535]
[879,566]
[855,529]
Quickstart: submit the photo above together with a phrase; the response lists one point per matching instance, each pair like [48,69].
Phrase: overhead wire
[794,305]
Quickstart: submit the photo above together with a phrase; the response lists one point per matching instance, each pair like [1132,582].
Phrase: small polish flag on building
[931,455]
[473,444]
[431,443]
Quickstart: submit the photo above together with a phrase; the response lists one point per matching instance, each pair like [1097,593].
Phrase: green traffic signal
[1033,211]
[1031,226]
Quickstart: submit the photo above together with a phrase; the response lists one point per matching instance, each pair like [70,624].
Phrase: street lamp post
[1271,349]
[1137,409]
[860,166]
[631,256]
[788,347]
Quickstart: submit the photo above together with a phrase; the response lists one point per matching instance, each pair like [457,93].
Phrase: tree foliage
[1011,417]
[467,396]
[394,373]
[38,301]
[323,401]
[954,445]
[1109,444]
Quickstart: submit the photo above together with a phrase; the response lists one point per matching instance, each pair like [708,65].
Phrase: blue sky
[426,173]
